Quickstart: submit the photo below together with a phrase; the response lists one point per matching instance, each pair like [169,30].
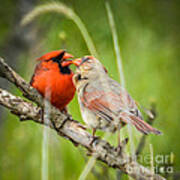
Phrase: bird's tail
[141,125]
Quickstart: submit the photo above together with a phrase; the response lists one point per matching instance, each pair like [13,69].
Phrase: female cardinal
[53,79]
[104,103]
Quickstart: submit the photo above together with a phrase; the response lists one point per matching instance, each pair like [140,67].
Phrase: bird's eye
[78,77]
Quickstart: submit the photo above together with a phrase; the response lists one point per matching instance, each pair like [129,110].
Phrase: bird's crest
[51,55]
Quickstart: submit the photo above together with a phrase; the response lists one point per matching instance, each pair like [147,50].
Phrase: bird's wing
[130,113]
[113,103]
[126,101]
[38,70]
[99,103]
[109,102]
[102,101]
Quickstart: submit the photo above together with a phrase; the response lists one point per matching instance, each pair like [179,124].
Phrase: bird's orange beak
[67,56]
[76,62]
[67,59]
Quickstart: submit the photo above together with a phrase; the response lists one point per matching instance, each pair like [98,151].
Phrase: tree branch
[65,126]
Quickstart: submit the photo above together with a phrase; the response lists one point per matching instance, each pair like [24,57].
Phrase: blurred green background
[149,37]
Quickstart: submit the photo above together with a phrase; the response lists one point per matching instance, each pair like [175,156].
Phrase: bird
[52,78]
[104,103]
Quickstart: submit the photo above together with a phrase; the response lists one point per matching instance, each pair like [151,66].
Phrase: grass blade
[69,13]
[90,164]
[116,43]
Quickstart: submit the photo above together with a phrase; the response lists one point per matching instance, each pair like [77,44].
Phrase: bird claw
[41,112]
[65,111]
[94,138]
[121,146]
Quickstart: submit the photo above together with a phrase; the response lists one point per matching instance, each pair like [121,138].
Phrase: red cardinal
[53,79]
[104,103]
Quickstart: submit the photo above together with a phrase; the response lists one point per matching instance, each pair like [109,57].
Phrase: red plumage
[54,80]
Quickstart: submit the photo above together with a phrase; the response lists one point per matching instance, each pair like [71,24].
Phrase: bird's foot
[41,112]
[65,111]
[121,146]
[94,138]
[93,142]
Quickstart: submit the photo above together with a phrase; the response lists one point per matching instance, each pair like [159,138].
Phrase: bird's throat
[64,70]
